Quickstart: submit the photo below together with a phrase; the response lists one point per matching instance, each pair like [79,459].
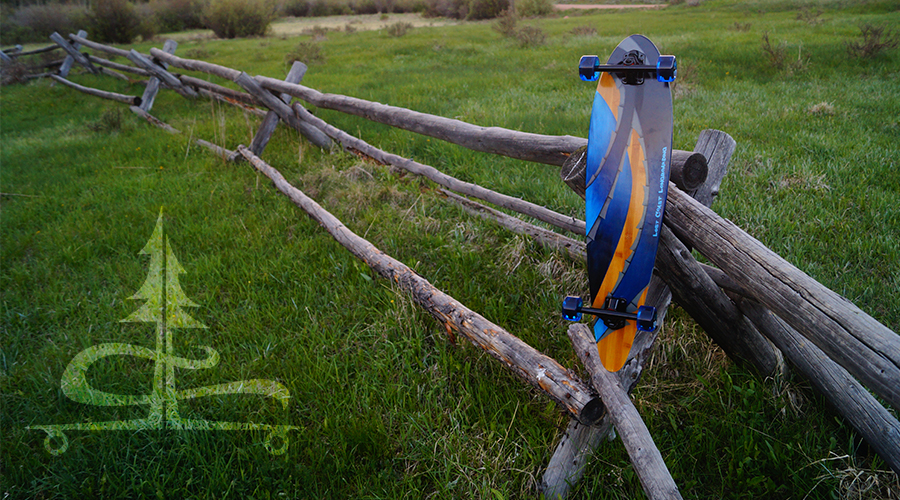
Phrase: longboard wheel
[588,68]
[571,308]
[666,69]
[646,318]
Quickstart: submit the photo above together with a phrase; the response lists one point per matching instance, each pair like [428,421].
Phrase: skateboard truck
[613,313]
[632,68]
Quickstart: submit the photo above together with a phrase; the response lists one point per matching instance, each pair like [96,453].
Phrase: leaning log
[880,429]
[645,456]
[549,149]
[717,147]
[153,120]
[218,150]
[714,311]
[195,65]
[866,348]
[120,67]
[359,146]
[226,92]
[131,100]
[73,55]
[283,111]
[160,72]
[82,39]
[149,96]
[41,50]
[267,127]
[548,239]
[234,102]
[536,368]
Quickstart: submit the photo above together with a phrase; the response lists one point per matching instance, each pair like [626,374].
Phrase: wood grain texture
[156,122]
[267,127]
[866,348]
[876,424]
[81,38]
[73,55]
[195,65]
[361,147]
[714,311]
[283,111]
[645,456]
[127,99]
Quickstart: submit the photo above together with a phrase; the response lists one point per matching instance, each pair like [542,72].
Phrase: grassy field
[386,406]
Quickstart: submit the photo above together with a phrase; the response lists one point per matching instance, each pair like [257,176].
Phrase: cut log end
[689,170]
[592,412]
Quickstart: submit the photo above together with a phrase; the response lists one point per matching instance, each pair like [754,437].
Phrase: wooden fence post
[153,83]
[645,456]
[73,56]
[283,111]
[161,76]
[267,127]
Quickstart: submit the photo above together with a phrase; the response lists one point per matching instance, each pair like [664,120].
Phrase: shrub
[149,26]
[534,8]
[13,73]
[809,16]
[485,9]
[239,18]
[875,40]
[777,55]
[114,21]
[506,24]
[112,120]
[318,33]
[584,30]
[178,15]
[778,59]
[306,52]
[398,29]
[37,22]
[530,36]
[316,8]
[454,9]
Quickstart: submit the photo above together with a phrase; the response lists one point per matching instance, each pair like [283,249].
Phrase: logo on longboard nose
[164,305]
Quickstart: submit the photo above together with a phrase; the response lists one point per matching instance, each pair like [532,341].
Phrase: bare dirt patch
[292,26]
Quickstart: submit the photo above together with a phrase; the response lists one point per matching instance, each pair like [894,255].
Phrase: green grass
[387,407]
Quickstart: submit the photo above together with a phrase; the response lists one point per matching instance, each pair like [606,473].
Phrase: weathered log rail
[757,306]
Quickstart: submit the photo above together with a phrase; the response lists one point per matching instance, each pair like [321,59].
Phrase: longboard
[626,179]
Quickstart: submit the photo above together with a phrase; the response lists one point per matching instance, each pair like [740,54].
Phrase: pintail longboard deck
[627,177]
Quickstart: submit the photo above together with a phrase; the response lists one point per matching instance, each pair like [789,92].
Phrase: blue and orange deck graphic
[626,186]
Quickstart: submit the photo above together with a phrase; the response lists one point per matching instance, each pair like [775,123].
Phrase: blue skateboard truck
[613,313]
[632,68]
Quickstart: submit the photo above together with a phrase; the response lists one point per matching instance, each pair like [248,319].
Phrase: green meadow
[385,404]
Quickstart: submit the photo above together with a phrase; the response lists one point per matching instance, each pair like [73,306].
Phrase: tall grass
[387,406]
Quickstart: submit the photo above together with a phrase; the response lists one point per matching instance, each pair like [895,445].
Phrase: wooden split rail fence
[759,308]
